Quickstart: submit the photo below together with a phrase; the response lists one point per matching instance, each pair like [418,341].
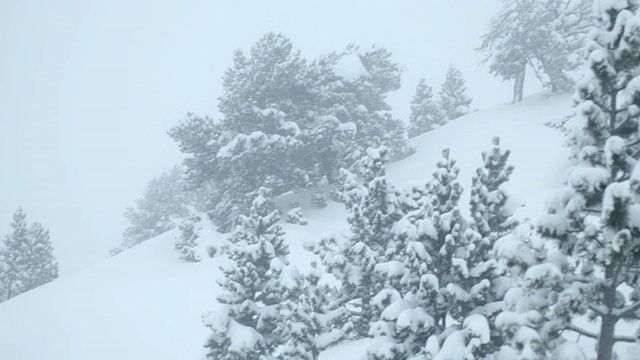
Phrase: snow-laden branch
[582,332]
[627,310]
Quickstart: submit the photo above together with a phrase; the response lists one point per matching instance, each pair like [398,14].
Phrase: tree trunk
[606,339]
[518,88]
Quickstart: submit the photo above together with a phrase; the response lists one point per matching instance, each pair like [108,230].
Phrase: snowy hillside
[147,304]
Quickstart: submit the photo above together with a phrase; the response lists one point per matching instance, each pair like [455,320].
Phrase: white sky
[88,89]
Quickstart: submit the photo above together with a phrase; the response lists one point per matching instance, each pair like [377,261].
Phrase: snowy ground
[147,304]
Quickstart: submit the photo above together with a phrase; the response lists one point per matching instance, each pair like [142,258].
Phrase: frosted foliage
[425,112]
[488,201]
[350,68]
[256,285]
[546,36]
[289,124]
[164,205]
[461,345]
[590,221]
[26,258]
[454,101]
[367,260]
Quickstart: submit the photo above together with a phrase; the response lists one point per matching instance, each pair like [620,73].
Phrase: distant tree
[425,113]
[353,86]
[26,260]
[288,124]
[164,204]
[545,35]
[454,101]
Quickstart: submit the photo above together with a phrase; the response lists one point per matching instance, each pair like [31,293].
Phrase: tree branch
[627,339]
[582,332]
[627,310]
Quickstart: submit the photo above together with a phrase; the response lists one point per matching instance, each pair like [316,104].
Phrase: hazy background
[88,89]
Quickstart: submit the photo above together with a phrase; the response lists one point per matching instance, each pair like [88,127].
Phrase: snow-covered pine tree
[454,101]
[545,35]
[27,257]
[267,107]
[430,263]
[164,204]
[425,113]
[246,327]
[295,216]
[372,208]
[488,201]
[595,219]
[353,87]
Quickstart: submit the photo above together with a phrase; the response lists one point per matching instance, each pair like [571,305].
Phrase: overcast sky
[88,89]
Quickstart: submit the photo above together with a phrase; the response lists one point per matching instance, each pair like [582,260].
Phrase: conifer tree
[27,259]
[247,326]
[488,199]
[353,86]
[372,210]
[454,102]
[594,219]
[542,35]
[425,113]
[164,204]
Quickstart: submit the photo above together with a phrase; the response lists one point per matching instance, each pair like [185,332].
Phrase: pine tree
[163,206]
[266,107]
[353,86]
[425,113]
[246,327]
[594,219]
[27,258]
[446,271]
[545,35]
[454,101]
[488,202]
[373,209]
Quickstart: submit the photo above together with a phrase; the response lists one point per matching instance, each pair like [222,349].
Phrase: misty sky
[88,89]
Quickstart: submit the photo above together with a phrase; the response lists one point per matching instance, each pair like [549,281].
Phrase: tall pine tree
[425,113]
[454,101]
[246,325]
[595,218]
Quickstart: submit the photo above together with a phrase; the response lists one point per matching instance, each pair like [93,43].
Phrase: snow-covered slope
[147,304]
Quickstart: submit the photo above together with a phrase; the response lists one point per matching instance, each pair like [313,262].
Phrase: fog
[88,89]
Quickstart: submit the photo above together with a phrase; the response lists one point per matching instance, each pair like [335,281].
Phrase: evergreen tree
[446,271]
[247,326]
[488,202]
[545,35]
[265,108]
[594,219]
[164,204]
[353,86]
[289,125]
[425,113]
[27,259]
[372,210]
[454,101]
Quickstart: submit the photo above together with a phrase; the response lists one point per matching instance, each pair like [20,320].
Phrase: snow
[393,311]
[568,351]
[147,304]
[350,68]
